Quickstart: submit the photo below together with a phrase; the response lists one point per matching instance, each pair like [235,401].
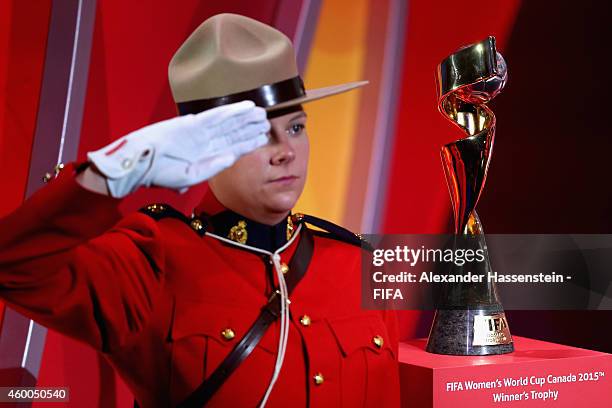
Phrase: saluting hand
[183,151]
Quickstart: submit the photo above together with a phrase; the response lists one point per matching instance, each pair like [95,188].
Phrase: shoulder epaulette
[159,211]
[334,231]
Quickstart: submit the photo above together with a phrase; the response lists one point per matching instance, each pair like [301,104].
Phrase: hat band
[264,96]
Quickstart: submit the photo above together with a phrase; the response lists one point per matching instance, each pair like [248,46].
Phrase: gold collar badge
[290,228]
[238,233]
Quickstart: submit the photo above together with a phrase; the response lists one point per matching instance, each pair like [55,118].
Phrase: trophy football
[469,318]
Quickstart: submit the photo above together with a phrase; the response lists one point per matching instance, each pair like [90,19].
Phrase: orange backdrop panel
[337,56]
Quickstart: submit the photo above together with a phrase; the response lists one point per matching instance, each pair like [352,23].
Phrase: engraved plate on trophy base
[472,332]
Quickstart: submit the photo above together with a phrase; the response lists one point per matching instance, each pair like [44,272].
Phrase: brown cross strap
[269,313]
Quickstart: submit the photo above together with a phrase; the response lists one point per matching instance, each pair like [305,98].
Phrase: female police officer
[238,305]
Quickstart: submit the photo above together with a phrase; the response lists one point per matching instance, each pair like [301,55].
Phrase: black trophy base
[452,332]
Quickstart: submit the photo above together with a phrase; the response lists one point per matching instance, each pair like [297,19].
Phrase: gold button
[156,208]
[284,268]
[305,320]
[228,334]
[56,171]
[197,224]
[318,379]
[378,341]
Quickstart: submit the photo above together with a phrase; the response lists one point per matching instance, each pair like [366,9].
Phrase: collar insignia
[290,227]
[238,233]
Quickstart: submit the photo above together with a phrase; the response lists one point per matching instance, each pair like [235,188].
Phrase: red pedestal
[536,374]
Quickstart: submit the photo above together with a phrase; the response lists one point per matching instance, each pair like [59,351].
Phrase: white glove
[180,152]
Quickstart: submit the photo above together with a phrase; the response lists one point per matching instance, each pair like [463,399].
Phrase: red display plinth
[536,374]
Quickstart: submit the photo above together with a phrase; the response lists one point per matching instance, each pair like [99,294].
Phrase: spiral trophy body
[470,319]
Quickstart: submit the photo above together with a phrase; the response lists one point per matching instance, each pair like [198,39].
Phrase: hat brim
[314,94]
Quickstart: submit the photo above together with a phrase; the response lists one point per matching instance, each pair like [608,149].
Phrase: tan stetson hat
[231,58]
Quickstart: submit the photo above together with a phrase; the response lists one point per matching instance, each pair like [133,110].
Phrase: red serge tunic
[158,300]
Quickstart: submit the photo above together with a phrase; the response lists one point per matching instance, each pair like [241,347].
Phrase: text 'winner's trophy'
[469,319]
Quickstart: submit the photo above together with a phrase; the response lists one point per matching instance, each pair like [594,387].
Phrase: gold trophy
[470,319]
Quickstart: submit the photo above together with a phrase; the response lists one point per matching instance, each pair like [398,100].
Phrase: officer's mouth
[285,180]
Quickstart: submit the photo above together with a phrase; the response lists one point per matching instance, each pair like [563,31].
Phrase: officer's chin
[282,202]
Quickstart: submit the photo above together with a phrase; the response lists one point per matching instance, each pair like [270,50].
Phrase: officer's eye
[296,129]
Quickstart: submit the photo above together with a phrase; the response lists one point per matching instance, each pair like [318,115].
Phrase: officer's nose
[283,151]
